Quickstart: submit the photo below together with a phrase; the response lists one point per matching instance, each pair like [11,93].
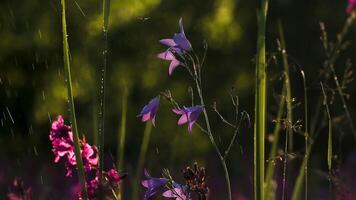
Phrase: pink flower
[90,156]
[351,6]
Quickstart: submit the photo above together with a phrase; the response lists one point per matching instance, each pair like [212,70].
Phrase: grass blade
[330,151]
[141,159]
[276,134]
[106,13]
[122,135]
[260,104]
[67,67]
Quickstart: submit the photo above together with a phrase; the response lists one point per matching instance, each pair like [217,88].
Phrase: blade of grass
[106,14]
[306,135]
[272,154]
[260,104]
[121,136]
[67,67]
[122,132]
[142,158]
[329,154]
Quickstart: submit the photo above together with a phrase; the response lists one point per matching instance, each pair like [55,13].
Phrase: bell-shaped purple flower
[177,46]
[179,40]
[168,55]
[155,186]
[351,6]
[189,115]
[149,112]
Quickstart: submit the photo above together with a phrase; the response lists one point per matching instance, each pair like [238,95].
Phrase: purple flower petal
[149,111]
[188,115]
[168,42]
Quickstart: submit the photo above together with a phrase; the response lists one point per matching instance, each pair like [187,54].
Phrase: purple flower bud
[149,112]
[189,115]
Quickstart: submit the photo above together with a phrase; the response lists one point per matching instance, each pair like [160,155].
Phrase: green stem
[306,134]
[142,157]
[67,67]
[288,87]
[106,13]
[122,133]
[260,104]
[212,140]
[272,155]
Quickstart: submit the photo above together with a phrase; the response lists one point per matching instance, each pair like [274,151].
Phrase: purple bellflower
[177,45]
[168,55]
[179,192]
[189,115]
[149,111]
[351,6]
[155,186]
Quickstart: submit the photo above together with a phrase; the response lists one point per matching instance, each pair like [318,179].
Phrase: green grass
[67,67]
[260,104]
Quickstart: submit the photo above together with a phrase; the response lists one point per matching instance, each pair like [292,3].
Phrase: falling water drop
[12,119]
[35,150]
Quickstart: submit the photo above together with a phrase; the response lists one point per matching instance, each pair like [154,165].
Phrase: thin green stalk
[288,86]
[260,104]
[329,154]
[297,194]
[306,135]
[142,157]
[122,135]
[95,121]
[272,155]
[289,133]
[122,132]
[212,140]
[106,13]
[67,67]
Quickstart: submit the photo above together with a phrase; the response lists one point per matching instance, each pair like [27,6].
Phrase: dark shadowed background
[33,90]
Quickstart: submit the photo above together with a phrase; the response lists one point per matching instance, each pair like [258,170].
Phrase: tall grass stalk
[306,135]
[288,86]
[106,14]
[142,158]
[67,67]
[272,156]
[122,135]
[289,123]
[329,154]
[260,104]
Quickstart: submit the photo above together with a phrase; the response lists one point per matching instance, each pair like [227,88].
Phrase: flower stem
[67,67]
[212,140]
[260,104]
[106,13]
[141,158]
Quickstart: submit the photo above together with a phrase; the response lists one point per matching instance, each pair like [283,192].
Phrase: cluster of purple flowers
[177,47]
[61,137]
[187,114]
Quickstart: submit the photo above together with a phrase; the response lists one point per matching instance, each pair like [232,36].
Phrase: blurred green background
[33,90]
